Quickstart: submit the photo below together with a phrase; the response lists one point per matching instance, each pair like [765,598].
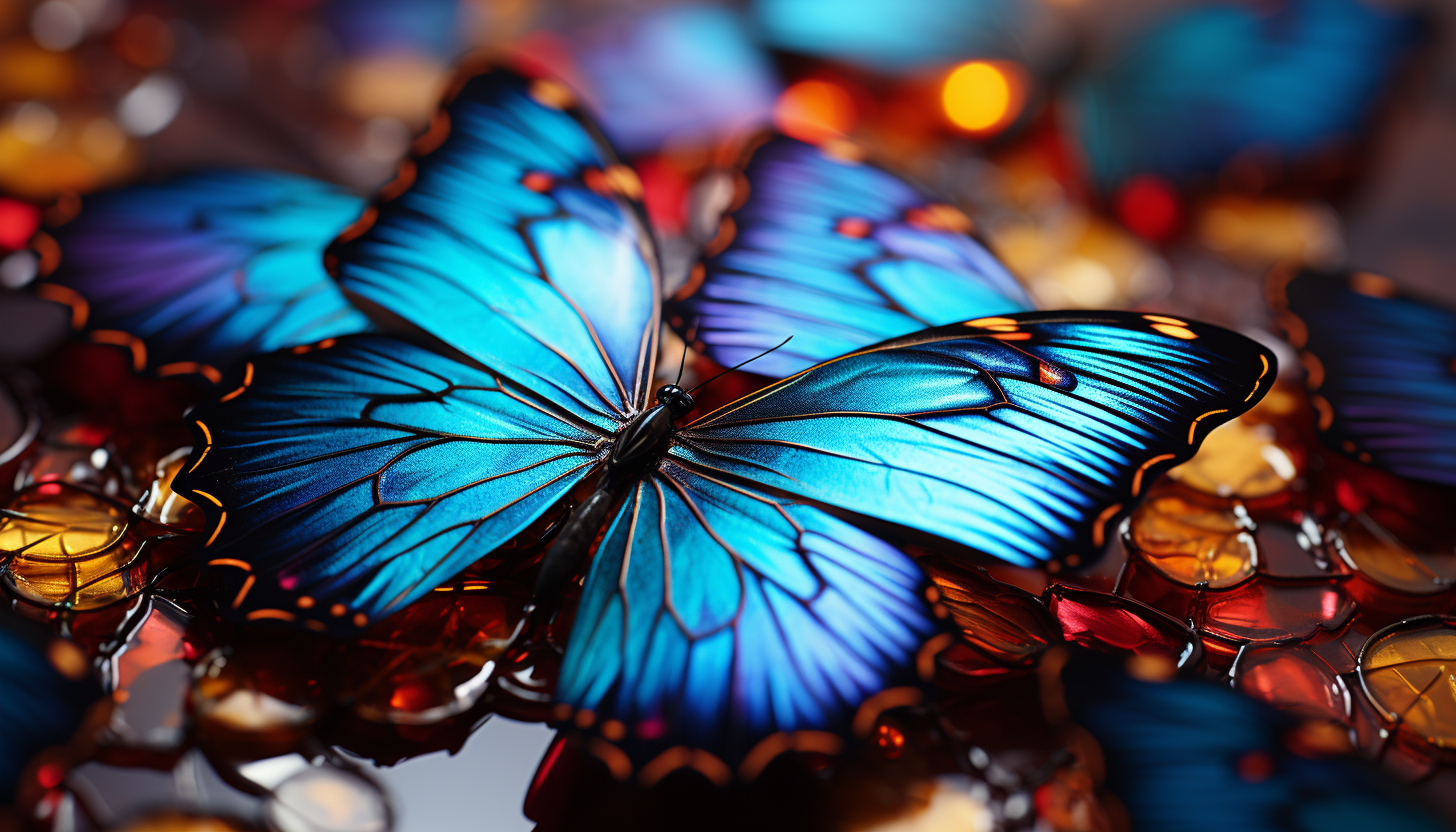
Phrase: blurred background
[1114,153]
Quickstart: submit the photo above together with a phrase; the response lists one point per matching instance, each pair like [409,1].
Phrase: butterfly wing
[890,36]
[206,269]
[516,237]
[1379,366]
[716,617]
[1211,81]
[45,688]
[1191,756]
[343,483]
[840,255]
[1018,436]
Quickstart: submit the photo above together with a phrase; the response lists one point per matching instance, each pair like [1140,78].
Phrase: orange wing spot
[80,309]
[585,718]
[1295,332]
[613,730]
[925,658]
[1074,560]
[561,712]
[1176,331]
[1194,426]
[820,742]
[1164,319]
[403,179]
[305,602]
[856,228]
[49,250]
[553,94]
[241,564]
[1252,392]
[1365,457]
[1347,446]
[932,594]
[727,229]
[243,593]
[843,150]
[614,757]
[1326,413]
[247,380]
[338,610]
[1050,374]
[870,710]
[1054,567]
[206,496]
[695,280]
[1012,336]
[940,217]
[357,228]
[124,339]
[234,394]
[221,519]
[360,619]
[673,759]
[1314,370]
[1373,285]
[990,322]
[281,615]
[430,140]
[623,180]
[326,343]
[178,368]
[538,181]
[1099,526]
[1137,478]
[316,626]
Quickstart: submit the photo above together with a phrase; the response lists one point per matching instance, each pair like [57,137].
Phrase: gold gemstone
[1239,459]
[163,505]
[1193,544]
[1404,563]
[66,548]
[1410,675]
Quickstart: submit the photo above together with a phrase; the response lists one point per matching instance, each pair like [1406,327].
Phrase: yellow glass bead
[1408,674]
[1239,459]
[1403,564]
[66,548]
[1193,544]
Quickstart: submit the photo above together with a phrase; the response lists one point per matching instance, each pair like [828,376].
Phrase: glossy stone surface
[1408,670]
[1193,544]
[1405,557]
[162,505]
[67,549]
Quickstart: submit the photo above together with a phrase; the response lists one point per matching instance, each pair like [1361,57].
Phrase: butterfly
[1192,756]
[1380,367]
[742,598]
[1208,82]
[196,273]
[838,253]
[45,688]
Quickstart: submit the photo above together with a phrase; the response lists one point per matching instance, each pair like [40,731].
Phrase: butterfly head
[678,401]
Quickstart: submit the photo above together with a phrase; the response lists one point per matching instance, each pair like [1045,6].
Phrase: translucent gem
[163,505]
[263,696]
[327,799]
[1262,612]
[1403,556]
[1409,673]
[1113,624]
[67,548]
[1294,680]
[1005,623]
[1193,544]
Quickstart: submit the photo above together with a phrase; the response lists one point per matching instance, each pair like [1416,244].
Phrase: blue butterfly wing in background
[840,255]
[1210,81]
[893,36]
[43,704]
[208,268]
[1379,366]
[1173,751]
[519,242]
[1019,436]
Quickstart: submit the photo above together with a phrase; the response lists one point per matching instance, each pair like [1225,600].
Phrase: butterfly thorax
[645,438]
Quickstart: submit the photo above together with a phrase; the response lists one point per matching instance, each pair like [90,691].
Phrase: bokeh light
[980,96]
[814,111]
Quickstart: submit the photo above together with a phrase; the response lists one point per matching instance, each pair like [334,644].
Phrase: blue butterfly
[45,689]
[1381,368]
[736,594]
[1191,756]
[198,272]
[1210,81]
[838,254]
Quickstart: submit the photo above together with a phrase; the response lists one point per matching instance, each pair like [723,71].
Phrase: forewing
[515,236]
[715,617]
[1379,366]
[1019,436]
[206,269]
[343,483]
[840,255]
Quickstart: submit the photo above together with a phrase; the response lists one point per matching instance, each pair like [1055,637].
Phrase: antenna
[741,363]
[683,362]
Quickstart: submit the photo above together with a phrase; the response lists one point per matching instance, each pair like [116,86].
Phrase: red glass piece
[1292,549]
[1113,624]
[1294,680]
[1263,612]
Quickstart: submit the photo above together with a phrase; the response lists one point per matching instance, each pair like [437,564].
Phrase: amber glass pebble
[327,799]
[1243,458]
[163,505]
[261,696]
[180,823]
[1411,561]
[1193,544]
[68,548]
[1409,672]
